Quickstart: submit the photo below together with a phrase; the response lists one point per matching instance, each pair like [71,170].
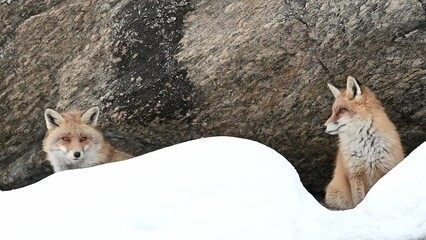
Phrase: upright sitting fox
[72,141]
[369,144]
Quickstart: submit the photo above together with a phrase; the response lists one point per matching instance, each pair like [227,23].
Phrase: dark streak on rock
[148,84]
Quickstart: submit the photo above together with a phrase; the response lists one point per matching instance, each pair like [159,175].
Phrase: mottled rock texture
[167,71]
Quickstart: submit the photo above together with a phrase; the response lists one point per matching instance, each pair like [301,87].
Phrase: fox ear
[334,90]
[53,118]
[90,117]
[352,88]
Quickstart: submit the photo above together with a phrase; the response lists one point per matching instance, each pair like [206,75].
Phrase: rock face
[167,71]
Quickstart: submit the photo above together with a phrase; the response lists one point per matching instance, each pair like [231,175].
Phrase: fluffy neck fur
[372,138]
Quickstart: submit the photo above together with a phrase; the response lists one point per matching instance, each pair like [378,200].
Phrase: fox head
[72,137]
[352,107]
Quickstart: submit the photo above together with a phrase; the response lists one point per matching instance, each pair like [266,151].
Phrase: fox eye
[66,139]
[83,139]
[343,110]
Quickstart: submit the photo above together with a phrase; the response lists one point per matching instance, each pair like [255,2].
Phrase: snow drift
[211,188]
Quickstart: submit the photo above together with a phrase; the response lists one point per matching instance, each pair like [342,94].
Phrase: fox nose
[77,154]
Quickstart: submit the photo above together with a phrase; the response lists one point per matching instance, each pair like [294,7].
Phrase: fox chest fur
[366,152]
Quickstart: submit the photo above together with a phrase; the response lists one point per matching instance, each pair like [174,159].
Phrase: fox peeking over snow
[72,141]
[369,144]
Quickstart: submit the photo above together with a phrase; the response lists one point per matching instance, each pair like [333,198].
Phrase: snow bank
[395,208]
[211,188]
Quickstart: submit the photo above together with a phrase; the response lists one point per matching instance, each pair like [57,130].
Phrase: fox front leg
[358,188]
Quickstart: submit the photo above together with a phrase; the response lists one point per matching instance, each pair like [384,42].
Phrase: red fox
[369,144]
[72,141]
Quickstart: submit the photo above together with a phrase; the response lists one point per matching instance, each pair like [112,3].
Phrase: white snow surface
[211,188]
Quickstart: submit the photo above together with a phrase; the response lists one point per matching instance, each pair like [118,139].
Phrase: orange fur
[369,144]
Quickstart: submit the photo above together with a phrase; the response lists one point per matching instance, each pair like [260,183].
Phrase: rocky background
[167,71]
